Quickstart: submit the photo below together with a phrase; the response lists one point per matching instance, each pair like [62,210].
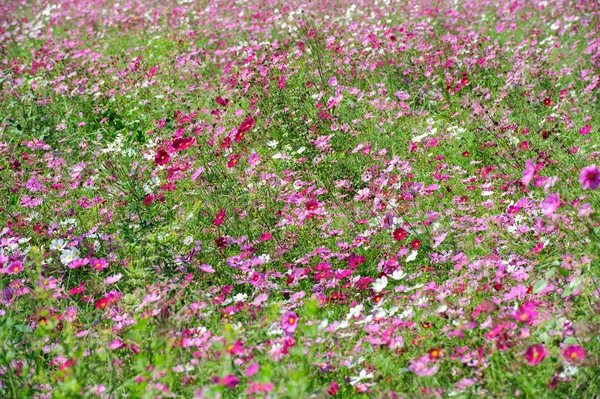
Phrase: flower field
[299,199]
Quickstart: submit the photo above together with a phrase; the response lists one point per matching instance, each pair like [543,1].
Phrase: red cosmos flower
[77,290]
[101,303]
[466,154]
[246,126]
[399,234]
[181,143]
[415,244]
[221,101]
[333,388]
[233,160]
[162,157]
[435,353]
[311,205]
[226,143]
[220,218]
[149,199]
[547,101]
[545,134]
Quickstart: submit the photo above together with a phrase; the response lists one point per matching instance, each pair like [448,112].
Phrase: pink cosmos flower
[289,322]
[113,279]
[535,354]
[253,159]
[420,367]
[77,263]
[550,205]
[528,173]
[15,267]
[590,177]
[99,264]
[574,353]
[116,344]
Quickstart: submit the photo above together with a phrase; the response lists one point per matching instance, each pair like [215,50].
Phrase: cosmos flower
[574,354]
[253,159]
[421,367]
[218,220]
[69,255]
[589,177]
[162,157]
[289,322]
[380,284]
[529,172]
[550,205]
[246,125]
[535,354]
[399,234]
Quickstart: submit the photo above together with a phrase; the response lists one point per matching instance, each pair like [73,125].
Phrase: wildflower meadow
[299,199]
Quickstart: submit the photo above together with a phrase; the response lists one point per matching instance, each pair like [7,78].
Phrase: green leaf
[539,286]
[564,272]
[571,341]
[23,328]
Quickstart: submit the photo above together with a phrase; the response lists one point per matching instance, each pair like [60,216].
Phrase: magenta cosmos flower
[535,354]
[590,177]
[574,353]
[289,322]
[526,313]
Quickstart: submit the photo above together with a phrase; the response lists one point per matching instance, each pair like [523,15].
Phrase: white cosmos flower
[58,244]
[69,255]
[412,256]
[398,275]
[380,284]
[363,375]
[355,311]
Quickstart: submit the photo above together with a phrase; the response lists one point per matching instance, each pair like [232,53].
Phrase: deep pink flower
[399,234]
[252,369]
[585,130]
[221,101]
[245,126]
[181,143]
[230,381]
[99,264]
[162,157]
[590,177]
[218,220]
[311,205]
[15,267]
[535,354]
[574,353]
[233,160]
[526,313]
[148,199]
